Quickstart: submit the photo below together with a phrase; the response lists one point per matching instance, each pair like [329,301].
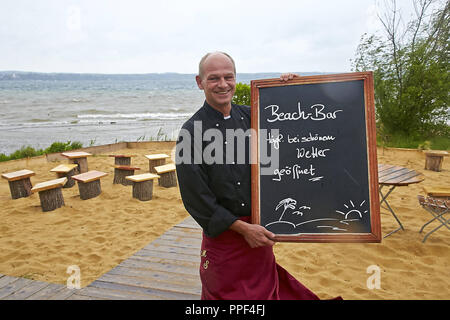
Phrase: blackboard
[314,174]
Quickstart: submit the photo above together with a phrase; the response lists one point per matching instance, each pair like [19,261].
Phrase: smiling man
[237,260]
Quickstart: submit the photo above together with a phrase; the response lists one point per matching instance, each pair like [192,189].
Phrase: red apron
[231,270]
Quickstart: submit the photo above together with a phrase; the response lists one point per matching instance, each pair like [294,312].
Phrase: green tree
[411,69]
[242,94]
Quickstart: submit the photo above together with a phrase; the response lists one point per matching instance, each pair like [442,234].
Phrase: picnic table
[392,176]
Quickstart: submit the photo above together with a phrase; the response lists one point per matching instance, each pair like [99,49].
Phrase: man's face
[218,81]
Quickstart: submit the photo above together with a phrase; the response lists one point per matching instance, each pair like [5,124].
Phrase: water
[39,109]
[94,112]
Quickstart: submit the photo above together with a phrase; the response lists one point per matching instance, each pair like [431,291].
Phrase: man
[237,260]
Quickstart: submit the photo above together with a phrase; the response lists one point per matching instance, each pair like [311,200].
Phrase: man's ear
[199,82]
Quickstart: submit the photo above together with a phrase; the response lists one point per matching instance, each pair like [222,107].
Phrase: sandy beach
[99,233]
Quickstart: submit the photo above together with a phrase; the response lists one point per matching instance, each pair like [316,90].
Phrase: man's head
[217,78]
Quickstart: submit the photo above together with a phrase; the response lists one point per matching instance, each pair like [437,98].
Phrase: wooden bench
[142,185]
[80,158]
[66,170]
[50,193]
[122,159]
[89,183]
[19,183]
[155,160]
[121,172]
[434,159]
[168,175]
[442,193]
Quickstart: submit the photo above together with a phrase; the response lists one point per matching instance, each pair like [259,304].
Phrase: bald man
[237,260]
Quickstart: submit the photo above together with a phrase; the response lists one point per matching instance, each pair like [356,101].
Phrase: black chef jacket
[215,195]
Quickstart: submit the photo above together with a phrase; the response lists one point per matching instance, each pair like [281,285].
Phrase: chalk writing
[317,113]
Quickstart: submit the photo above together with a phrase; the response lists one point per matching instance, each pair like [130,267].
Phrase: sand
[99,233]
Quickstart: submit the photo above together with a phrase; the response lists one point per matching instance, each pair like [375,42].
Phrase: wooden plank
[165,168]
[6,280]
[168,266]
[172,249]
[28,290]
[51,184]
[89,176]
[179,239]
[174,243]
[406,178]
[156,275]
[142,177]
[64,168]
[151,284]
[12,287]
[94,292]
[167,255]
[156,156]
[75,155]
[63,294]
[18,175]
[51,290]
[138,290]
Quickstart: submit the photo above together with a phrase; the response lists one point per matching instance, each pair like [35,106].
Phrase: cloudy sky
[145,36]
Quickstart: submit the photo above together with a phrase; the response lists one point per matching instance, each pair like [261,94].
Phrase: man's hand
[288,76]
[254,234]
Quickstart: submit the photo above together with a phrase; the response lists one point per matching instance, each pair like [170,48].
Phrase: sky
[147,36]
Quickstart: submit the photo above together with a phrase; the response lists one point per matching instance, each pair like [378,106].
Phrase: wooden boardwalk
[167,268]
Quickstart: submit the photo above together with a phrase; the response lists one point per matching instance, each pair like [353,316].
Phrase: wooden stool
[434,159]
[168,176]
[66,170]
[19,183]
[122,160]
[121,172]
[79,158]
[441,193]
[155,160]
[142,185]
[50,193]
[89,183]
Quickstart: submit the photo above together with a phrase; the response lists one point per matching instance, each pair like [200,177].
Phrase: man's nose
[222,82]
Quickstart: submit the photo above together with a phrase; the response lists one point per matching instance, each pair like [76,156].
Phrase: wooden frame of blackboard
[375,225]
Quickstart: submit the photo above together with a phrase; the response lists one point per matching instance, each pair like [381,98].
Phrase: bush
[28,151]
[242,94]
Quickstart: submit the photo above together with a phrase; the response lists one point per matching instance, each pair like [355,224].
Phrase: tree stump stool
[434,159]
[80,158]
[122,160]
[143,185]
[19,183]
[167,175]
[156,160]
[66,170]
[50,194]
[89,183]
[120,174]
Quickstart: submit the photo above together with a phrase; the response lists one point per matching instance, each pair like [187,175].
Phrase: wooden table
[391,176]
[79,158]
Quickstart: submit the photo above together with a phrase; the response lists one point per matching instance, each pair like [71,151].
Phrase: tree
[242,95]
[411,69]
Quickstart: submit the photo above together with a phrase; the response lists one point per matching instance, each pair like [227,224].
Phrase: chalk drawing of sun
[352,211]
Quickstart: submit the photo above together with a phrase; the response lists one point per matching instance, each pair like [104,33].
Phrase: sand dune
[99,233]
